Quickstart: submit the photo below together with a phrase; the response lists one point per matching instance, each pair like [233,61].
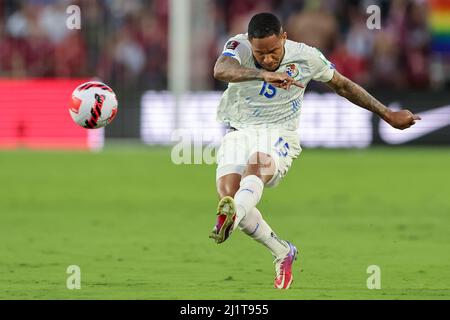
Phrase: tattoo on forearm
[243,74]
[362,98]
[234,72]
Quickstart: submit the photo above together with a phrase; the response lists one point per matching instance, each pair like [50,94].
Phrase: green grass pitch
[138,226]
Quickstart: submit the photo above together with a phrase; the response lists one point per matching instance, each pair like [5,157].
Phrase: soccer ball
[93,105]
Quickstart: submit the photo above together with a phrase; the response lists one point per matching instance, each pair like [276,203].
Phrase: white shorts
[237,147]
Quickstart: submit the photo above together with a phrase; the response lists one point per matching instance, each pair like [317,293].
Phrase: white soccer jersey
[258,104]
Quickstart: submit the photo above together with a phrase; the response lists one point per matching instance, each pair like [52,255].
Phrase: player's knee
[261,165]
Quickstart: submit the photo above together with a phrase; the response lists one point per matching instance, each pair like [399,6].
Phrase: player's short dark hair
[264,25]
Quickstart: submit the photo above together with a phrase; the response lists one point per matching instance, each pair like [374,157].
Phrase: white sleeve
[321,69]
[236,49]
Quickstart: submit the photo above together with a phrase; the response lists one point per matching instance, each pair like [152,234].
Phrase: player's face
[269,51]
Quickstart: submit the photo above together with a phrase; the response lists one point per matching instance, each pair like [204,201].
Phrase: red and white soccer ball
[93,105]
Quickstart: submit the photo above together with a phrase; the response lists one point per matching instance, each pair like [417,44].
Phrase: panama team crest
[292,70]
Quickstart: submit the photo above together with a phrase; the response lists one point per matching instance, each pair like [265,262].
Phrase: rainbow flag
[439,21]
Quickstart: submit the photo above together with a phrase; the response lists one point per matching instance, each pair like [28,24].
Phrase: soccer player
[267,76]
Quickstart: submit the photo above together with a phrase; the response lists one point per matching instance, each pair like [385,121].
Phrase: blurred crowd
[119,41]
[126,41]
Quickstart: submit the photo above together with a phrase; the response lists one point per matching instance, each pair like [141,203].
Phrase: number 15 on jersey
[268,90]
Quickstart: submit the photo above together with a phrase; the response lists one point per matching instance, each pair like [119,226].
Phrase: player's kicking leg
[237,207]
[239,194]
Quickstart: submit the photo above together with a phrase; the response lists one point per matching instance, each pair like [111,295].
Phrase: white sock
[254,226]
[247,197]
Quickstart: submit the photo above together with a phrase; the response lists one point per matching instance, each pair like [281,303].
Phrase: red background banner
[34,113]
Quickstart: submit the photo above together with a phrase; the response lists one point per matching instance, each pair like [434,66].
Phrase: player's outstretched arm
[230,70]
[353,92]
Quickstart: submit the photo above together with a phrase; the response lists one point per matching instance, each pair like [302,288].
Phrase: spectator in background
[416,44]
[70,56]
[129,53]
[13,33]
[352,54]
[155,47]
[313,26]
[401,53]
[385,62]
[96,30]
[33,45]
[49,18]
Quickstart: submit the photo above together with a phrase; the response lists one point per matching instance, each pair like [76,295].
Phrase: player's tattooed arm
[230,70]
[355,93]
